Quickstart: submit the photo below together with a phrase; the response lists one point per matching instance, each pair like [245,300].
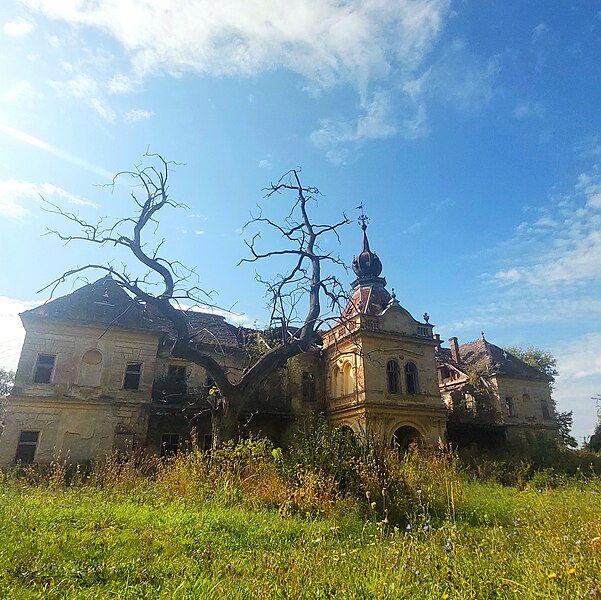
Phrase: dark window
[393,377]
[28,441]
[509,406]
[44,368]
[169,444]
[131,380]
[208,442]
[545,408]
[176,373]
[308,387]
[411,378]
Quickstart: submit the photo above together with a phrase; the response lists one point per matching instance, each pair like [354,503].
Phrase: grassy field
[144,537]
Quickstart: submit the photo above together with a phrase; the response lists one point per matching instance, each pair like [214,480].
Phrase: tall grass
[331,517]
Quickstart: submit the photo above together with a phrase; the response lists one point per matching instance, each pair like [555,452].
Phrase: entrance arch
[407,438]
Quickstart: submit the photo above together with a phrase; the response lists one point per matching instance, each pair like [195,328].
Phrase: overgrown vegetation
[330,517]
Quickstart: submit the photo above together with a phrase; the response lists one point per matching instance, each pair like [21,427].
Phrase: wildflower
[448,547]
[571,560]
[592,592]
[565,538]
[444,597]
[552,575]
[408,528]
[418,492]
[539,532]
[425,528]
[571,571]
[373,506]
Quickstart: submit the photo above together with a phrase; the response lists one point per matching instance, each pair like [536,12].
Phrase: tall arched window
[393,377]
[411,378]
[336,382]
[347,379]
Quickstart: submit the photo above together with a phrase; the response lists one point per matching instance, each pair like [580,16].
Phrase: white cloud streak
[138,114]
[15,195]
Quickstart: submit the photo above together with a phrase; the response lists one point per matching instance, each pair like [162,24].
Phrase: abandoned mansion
[96,375]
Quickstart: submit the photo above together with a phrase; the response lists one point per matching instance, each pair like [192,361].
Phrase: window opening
[170,444]
[393,377]
[44,368]
[28,441]
[411,378]
[132,376]
[509,407]
[308,387]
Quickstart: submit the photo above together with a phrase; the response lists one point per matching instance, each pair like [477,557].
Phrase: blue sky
[470,130]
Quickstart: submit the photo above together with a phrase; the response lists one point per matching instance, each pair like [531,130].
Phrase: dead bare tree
[303,282]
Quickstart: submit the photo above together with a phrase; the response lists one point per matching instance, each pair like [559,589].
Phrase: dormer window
[44,368]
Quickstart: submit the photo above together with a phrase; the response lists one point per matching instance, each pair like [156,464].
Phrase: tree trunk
[224,423]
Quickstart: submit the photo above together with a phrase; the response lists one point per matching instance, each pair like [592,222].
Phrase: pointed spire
[367,264]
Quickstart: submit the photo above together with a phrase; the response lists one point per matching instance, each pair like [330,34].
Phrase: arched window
[347,379]
[545,409]
[411,378]
[91,368]
[393,377]
[336,382]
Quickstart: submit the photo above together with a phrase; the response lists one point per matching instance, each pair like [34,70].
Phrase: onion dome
[367,264]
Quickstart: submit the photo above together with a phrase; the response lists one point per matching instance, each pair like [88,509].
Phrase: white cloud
[562,247]
[13,333]
[527,108]
[18,28]
[376,122]
[579,366]
[21,93]
[15,195]
[539,31]
[138,114]
[369,45]
[326,41]
[265,164]
[85,87]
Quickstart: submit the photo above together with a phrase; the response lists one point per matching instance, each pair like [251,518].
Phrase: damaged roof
[105,303]
[484,357]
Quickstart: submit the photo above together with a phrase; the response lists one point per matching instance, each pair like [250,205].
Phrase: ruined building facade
[96,375]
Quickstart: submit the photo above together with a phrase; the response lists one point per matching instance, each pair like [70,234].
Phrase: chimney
[454,349]
[437,340]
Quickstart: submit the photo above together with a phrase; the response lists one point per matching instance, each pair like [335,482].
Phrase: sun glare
[27,138]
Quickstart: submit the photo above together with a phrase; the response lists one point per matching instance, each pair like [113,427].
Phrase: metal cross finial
[363,218]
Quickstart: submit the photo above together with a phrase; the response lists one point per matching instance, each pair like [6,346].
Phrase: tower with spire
[381,363]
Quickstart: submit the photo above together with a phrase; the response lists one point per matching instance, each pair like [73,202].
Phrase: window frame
[25,445]
[308,387]
[411,374]
[41,368]
[510,406]
[129,373]
[393,377]
[171,447]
